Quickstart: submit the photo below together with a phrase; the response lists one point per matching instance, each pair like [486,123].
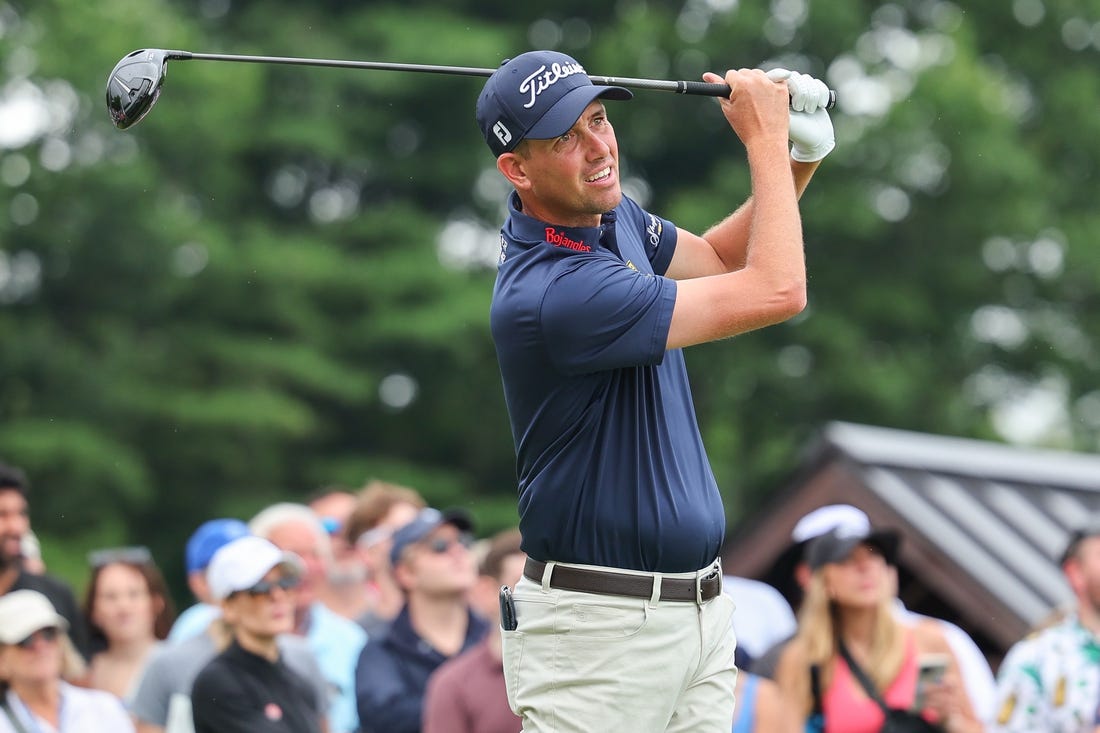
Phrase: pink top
[848,709]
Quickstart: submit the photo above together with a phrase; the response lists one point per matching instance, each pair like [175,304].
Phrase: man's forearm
[775,231]
[730,237]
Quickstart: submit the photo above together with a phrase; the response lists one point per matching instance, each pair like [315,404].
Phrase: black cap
[837,544]
[1091,528]
[13,479]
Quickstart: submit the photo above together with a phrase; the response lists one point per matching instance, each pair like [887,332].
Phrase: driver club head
[134,85]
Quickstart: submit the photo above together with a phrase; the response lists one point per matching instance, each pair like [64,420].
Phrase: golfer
[620,623]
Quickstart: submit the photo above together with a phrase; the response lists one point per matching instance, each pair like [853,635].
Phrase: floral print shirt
[1050,682]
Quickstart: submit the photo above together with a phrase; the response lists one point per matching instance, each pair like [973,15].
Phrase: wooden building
[983,523]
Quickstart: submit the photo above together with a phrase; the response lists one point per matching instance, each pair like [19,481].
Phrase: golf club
[135,82]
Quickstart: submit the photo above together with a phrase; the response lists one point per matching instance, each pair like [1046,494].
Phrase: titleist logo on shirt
[560,240]
[543,79]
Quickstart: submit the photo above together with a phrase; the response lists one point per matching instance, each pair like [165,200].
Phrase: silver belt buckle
[708,572]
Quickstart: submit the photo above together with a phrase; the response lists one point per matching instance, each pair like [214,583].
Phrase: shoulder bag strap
[864,681]
[815,723]
[815,689]
[10,714]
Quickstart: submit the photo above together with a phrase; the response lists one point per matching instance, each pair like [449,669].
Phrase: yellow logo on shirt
[1006,710]
[631,265]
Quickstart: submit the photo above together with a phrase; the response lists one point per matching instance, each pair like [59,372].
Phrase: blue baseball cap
[210,537]
[537,95]
[425,523]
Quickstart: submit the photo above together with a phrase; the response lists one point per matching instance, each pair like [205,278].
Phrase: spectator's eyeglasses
[441,545]
[372,537]
[130,555]
[265,587]
[50,633]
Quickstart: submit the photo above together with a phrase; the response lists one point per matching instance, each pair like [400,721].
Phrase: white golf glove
[807,93]
[811,136]
[811,129]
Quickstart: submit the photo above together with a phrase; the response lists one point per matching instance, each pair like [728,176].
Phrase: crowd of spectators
[370,612]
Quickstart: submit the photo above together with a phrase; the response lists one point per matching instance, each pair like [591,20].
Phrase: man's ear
[1076,579]
[802,574]
[230,612]
[514,168]
[403,575]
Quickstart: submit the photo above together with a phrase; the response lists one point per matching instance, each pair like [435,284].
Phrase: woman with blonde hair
[853,665]
[36,660]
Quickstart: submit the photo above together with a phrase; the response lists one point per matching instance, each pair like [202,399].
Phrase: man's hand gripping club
[811,130]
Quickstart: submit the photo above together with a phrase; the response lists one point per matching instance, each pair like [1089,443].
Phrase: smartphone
[508,620]
[930,671]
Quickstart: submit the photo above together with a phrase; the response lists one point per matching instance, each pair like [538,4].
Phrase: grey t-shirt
[163,695]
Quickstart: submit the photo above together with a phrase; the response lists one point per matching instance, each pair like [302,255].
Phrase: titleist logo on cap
[543,79]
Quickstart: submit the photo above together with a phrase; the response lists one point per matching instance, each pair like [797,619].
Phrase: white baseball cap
[845,517]
[244,562]
[23,612]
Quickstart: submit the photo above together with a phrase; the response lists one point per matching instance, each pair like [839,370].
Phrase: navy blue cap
[425,523]
[537,95]
[210,537]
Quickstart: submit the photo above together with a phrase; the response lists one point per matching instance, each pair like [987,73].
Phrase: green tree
[280,279]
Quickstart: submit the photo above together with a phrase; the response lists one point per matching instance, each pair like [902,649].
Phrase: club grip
[707,89]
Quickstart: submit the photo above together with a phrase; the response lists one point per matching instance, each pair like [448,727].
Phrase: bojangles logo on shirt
[556,238]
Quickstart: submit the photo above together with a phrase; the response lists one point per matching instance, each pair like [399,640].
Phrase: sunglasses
[129,555]
[372,537]
[265,587]
[50,633]
[441,545]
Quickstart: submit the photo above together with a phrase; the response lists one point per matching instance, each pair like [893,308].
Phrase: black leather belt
[610,583]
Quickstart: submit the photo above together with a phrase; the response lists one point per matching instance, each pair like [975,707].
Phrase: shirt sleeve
[301,660]
[115,718]
[385,702]
[600,314]
[658,235]
[443,710]
[63,600]
[977,676]
[150,700]
[1023,706]
[85,709]
[78,628]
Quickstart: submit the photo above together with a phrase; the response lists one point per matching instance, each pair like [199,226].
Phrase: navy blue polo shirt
[611,465]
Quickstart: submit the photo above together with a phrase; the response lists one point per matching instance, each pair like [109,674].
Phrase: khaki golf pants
[583,662]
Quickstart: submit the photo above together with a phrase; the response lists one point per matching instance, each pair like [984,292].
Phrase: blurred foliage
[280,280]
